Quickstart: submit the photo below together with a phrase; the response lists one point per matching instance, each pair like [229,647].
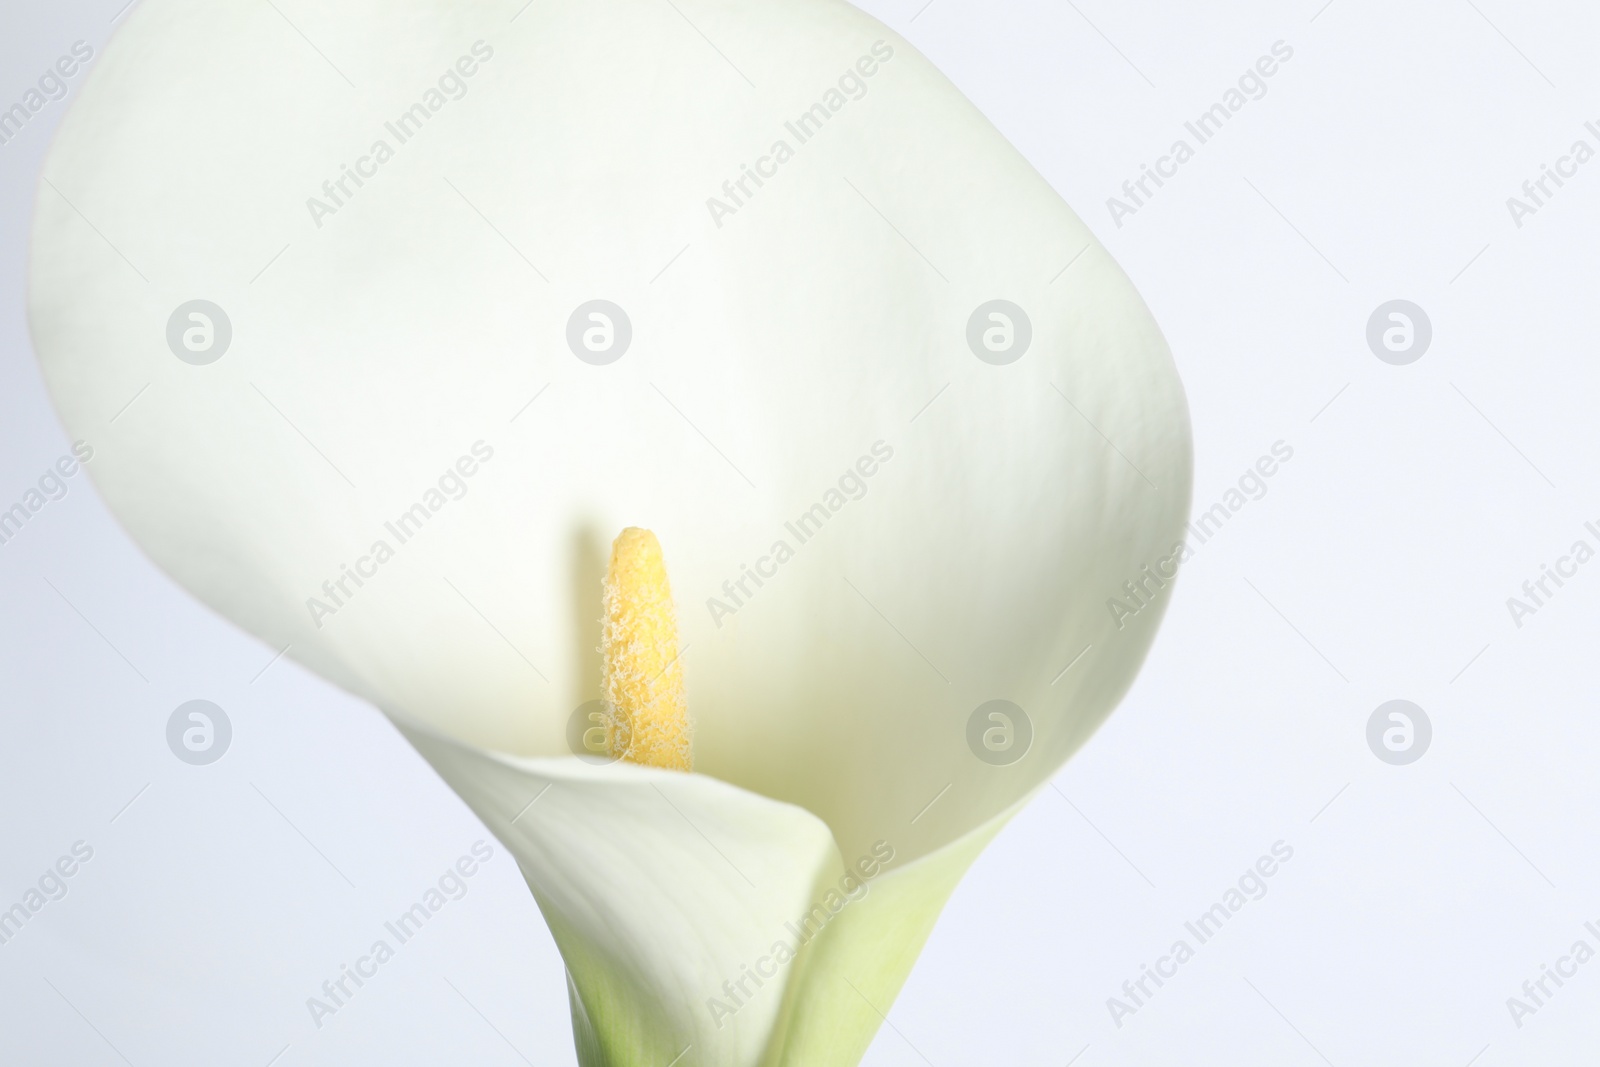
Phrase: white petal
[778,356]
[768,359]
[659,887]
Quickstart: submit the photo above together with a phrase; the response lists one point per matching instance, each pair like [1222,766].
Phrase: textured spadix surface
[399,375]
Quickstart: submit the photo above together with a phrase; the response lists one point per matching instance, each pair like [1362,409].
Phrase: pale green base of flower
[854,970]
[840,988]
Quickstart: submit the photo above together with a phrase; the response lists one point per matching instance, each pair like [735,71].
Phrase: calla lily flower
[693,425]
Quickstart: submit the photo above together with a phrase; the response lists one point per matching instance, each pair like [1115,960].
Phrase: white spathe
[800,344]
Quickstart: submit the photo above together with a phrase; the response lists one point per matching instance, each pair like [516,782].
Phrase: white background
[1419,898]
